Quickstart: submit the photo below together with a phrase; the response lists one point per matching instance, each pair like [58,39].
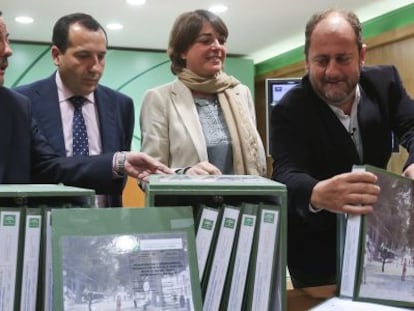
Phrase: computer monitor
[275,89]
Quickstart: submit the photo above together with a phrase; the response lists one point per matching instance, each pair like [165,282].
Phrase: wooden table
[305,298]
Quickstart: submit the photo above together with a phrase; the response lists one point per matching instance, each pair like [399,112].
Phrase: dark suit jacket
[310,144]
[26,156]
[115,113]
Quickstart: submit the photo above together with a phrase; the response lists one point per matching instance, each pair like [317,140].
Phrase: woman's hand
[203,168]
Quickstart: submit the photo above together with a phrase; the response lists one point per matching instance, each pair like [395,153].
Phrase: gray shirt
[216,134]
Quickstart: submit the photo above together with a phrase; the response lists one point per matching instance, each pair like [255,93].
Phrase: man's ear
[56,55]
[362,55]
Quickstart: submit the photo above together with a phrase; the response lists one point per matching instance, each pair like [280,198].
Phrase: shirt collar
[64,93]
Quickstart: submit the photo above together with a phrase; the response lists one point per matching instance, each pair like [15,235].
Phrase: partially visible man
[78,51]
[26,156]
[342,114]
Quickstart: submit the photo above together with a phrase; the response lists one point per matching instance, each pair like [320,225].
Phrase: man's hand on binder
[353,193]
[140,165]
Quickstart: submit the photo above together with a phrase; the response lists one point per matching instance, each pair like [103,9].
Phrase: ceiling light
[220,8]
[115,26]
[24,19]
[135,2]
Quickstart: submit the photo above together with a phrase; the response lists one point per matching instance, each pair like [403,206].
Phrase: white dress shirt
[90,114]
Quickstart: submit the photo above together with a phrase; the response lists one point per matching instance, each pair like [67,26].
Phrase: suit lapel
[48,114]
[375,129]
[187,111]
[107,120]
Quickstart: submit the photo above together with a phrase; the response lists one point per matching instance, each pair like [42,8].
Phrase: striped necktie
[79,133]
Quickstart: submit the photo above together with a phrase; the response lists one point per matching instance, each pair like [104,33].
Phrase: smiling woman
[203,122]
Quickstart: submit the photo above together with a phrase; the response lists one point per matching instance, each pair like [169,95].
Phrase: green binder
[45,272]
[30,259]
[236,283]
[221,257]
[11,233]
[377,257]
[140,258]
[207,227]
[267,278]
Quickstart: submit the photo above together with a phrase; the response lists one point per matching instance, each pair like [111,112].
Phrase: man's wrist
[119,163]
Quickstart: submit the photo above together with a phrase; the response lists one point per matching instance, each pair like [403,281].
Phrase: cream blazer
[170,128]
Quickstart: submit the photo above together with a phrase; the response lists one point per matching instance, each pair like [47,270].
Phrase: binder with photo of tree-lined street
[378,263]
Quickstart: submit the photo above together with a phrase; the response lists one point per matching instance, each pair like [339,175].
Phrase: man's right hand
[353,193]
[140,165]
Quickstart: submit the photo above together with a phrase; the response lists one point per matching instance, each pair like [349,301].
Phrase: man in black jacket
[340,115]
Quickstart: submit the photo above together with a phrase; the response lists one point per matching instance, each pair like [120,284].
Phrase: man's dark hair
[349,16]
[60,36]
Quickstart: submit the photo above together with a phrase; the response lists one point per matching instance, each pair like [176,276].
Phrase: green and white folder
[206,233]
[378,254]
[236,286]
[11,233]
[267,279]
[31,259]
[45,271]
[220,264]
[140,258]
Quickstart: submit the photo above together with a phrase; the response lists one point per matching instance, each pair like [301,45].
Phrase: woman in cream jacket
[204,121]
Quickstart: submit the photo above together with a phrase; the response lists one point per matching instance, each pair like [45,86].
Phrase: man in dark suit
[78,51]
[340,115]
[26,156]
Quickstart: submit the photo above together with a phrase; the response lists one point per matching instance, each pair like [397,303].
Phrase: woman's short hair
[185,31]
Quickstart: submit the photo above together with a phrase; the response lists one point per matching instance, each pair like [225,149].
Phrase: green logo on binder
[207,224]
[34,223]
[229,223]
[249,221]
[9,220]
[269,217]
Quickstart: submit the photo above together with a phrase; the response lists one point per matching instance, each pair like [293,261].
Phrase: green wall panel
[28,62]
[131,72]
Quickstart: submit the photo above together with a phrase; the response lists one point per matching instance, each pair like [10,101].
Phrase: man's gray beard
[339,104]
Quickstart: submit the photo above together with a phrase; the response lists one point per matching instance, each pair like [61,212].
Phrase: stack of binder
[23,241]
[217,243]
[240,233]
